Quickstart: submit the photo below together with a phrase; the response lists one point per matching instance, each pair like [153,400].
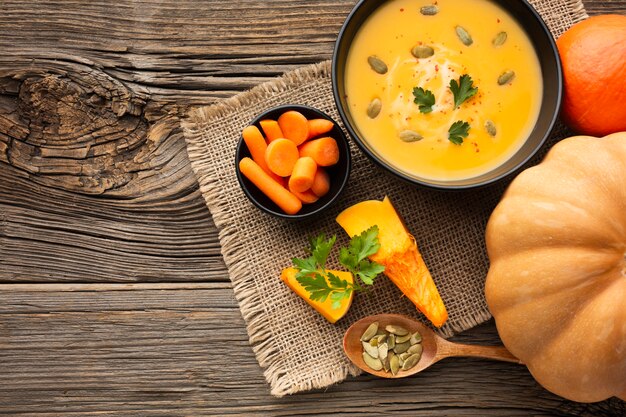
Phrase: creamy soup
[398,75]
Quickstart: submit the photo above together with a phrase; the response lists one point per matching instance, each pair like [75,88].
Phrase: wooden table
[114,299]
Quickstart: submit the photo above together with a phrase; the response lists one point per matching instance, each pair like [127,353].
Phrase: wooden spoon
[435,347]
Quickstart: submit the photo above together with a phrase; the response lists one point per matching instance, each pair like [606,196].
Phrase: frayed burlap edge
[261,337]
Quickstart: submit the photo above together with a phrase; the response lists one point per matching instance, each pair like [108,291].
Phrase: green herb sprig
[322,284]
[424,98]
[462,90]
[458,132]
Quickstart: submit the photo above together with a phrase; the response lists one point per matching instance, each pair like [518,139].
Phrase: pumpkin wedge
[398,253]
[324,308]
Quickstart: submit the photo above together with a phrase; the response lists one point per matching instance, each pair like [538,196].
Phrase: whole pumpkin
[593,53]
[557,281]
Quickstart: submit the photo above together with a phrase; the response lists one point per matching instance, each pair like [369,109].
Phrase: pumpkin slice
[325,309]
[398,253]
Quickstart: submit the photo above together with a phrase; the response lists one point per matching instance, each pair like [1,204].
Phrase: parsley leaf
[321,284]
[424,98]
[458,131]
[320,249]
[315,284]
[463,90]
[369,270]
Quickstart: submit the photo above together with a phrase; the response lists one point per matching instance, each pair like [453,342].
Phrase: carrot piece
[317,127]
[272,130]
[303,175]
[324,151]
[257,146]
[294,126]
[307,197]
[288,202]
[321,183]
[281,156]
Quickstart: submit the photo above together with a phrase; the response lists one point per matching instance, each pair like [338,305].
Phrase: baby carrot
[317,127]
[307,197]
[271,129]
[321,183]
[281,156]
[256,145]
[303,175]
[294,126]
[288,202]
[324,151]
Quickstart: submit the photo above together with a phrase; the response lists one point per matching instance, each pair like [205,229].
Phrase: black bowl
[550,63]
[338,173]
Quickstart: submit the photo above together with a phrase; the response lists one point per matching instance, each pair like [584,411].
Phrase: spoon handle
[499,353]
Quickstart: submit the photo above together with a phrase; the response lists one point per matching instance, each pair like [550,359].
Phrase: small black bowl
[338,173]
[549,60]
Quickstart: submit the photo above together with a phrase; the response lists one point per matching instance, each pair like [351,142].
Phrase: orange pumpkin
[557,281]
[593,53]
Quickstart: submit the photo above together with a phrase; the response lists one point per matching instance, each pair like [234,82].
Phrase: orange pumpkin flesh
[557,281]
[593,53]
[398,253]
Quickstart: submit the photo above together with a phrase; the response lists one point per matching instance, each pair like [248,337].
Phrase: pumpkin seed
[491,128]
[382,339]
[499,39]
[506,77]
[370,350]
[416,338]
[391,341]
[410,136]
[394,364]
[464,36]
[382,351]
[373,363]
[422,51]
[402,347]
[402,339]
[400,360]
[415,350]
[386,362]
[404,356]
[410,362]
[429,10]
[373,110]
[397,330]
[369,332]
[377,64]
[374,341]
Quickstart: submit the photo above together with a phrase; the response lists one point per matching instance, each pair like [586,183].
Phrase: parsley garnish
[321,284]
[462,90]
[424,98]
[458,131]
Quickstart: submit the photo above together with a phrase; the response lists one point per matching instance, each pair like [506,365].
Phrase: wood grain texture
[95,188]
[145,350]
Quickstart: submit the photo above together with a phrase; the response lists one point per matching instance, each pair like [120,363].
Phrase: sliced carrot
[303,175]
[307,197]
[294,126]
[321,183]
[288,202]
[271,129]
[324,151]
[281,156]
[318,127]
[257,146]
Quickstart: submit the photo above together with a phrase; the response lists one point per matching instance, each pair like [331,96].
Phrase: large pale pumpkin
[557,282]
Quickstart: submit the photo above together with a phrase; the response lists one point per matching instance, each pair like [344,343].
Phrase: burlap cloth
[297,347]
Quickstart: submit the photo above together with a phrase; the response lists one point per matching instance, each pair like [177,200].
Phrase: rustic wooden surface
[114,300]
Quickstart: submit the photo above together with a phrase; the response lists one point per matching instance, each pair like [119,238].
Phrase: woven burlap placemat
[297,347]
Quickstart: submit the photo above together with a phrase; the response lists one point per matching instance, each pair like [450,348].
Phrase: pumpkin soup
[447,90]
